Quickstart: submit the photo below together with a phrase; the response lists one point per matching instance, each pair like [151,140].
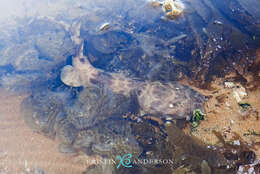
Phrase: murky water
[131,44]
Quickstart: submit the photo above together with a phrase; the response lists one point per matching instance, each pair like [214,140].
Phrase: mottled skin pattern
[156,98]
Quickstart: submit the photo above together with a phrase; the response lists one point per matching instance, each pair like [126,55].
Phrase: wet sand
[22,151]
[223,114]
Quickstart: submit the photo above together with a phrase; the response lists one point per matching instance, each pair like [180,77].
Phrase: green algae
[198,115]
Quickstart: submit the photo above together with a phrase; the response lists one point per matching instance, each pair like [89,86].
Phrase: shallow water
[209,39]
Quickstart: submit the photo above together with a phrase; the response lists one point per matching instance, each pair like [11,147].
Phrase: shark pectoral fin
[70,76]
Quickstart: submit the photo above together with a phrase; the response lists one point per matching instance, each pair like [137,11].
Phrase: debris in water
[173,8]
[104,26]
[217,22]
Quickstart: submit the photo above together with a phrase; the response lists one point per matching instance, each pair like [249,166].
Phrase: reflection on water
[144,40]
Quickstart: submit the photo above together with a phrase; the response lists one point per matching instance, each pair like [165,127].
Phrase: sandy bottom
[223,114]
[22,151]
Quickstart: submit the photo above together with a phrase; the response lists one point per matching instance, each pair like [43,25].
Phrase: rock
[39,50]
[93,123]
[87,110]
[239,93]
[229,84]
[42,110]
[108,139]
[96,126]
[173,8]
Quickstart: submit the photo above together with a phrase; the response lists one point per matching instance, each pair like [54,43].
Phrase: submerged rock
[42,110]
[35,53]
[93,122]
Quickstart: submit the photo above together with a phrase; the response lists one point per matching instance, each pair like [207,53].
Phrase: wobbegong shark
[170,100]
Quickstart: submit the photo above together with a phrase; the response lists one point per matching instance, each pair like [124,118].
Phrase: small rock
[229,85]
[228,104]
[219,47]
[149,153]
[173,8]
[218,22]
[237,142]
[239,94]
[167,123]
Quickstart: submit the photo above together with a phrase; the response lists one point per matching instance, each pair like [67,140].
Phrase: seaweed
[244,105]
[197,116]
[247,110]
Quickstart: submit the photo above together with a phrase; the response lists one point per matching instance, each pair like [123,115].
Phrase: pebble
[149,153]
[229,85]
[218,22]
[167,123]
[227,103]
[239,94]
[237,142]
[169,118]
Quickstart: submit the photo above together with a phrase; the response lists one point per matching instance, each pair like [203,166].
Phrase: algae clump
[197,116]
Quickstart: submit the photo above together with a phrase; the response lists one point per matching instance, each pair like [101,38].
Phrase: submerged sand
[223,113]
[22,151]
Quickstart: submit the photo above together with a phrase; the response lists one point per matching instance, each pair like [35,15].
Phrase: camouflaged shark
[169,100]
